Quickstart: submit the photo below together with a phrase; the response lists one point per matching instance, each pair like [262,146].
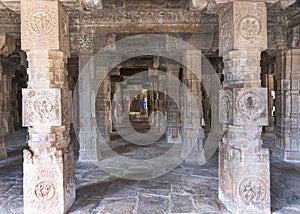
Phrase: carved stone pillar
[287,104]
[8,74]
[7,46]
[3,153]
[244,176]
[153,101]
[119,103]
[162,102]
[103,108]
[173,111]
[267,77]
[86,104]
[193,119]
[49,184]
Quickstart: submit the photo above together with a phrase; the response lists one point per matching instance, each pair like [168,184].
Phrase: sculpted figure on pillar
[244,176]
[49,184]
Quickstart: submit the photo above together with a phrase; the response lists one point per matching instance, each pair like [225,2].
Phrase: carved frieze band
[138,16]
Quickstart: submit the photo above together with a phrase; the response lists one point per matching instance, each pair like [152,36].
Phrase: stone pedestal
[287,104]
[49,184]
[244,176]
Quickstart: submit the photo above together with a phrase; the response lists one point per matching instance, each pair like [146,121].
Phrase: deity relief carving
[67,107]
[225,115]
[251,105]
[41,23]
[226,37]
[225,34]
[249,27]
[44,191]
[42,107]
[252,191]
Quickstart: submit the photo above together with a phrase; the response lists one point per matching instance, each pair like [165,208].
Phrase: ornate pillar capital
[44,25]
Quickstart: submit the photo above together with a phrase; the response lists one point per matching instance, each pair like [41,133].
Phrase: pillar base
[244,180]
[49,184]
[196,156]
[287,154]
[291,156]
[3,153]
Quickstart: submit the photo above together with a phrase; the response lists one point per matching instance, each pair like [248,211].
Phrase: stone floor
[186,189]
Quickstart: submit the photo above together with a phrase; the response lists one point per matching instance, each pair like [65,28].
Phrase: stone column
[119,103]
[86,112]
[8,75]
[49,184]
[287,104]
[162,102]
[267,77]
[153,105]
[173,110]
[193,119]
[3,153]
[7,46]
[103,107]
[244,175]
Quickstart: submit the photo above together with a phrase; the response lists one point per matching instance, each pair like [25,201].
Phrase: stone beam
[134,21]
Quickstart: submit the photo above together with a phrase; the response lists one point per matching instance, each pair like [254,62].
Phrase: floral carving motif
[252,191]
[44,190]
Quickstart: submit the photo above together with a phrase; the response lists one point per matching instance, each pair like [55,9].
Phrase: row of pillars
[10,87]
[244,176]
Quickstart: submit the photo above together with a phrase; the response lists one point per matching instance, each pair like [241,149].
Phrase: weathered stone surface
[181,204]
[239,28]
[243,164]
[119,206]
[173,108]
[44,25]
[287,104]
[48,164]
[201,187]
[49,183]
[7,44]
[153,204]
